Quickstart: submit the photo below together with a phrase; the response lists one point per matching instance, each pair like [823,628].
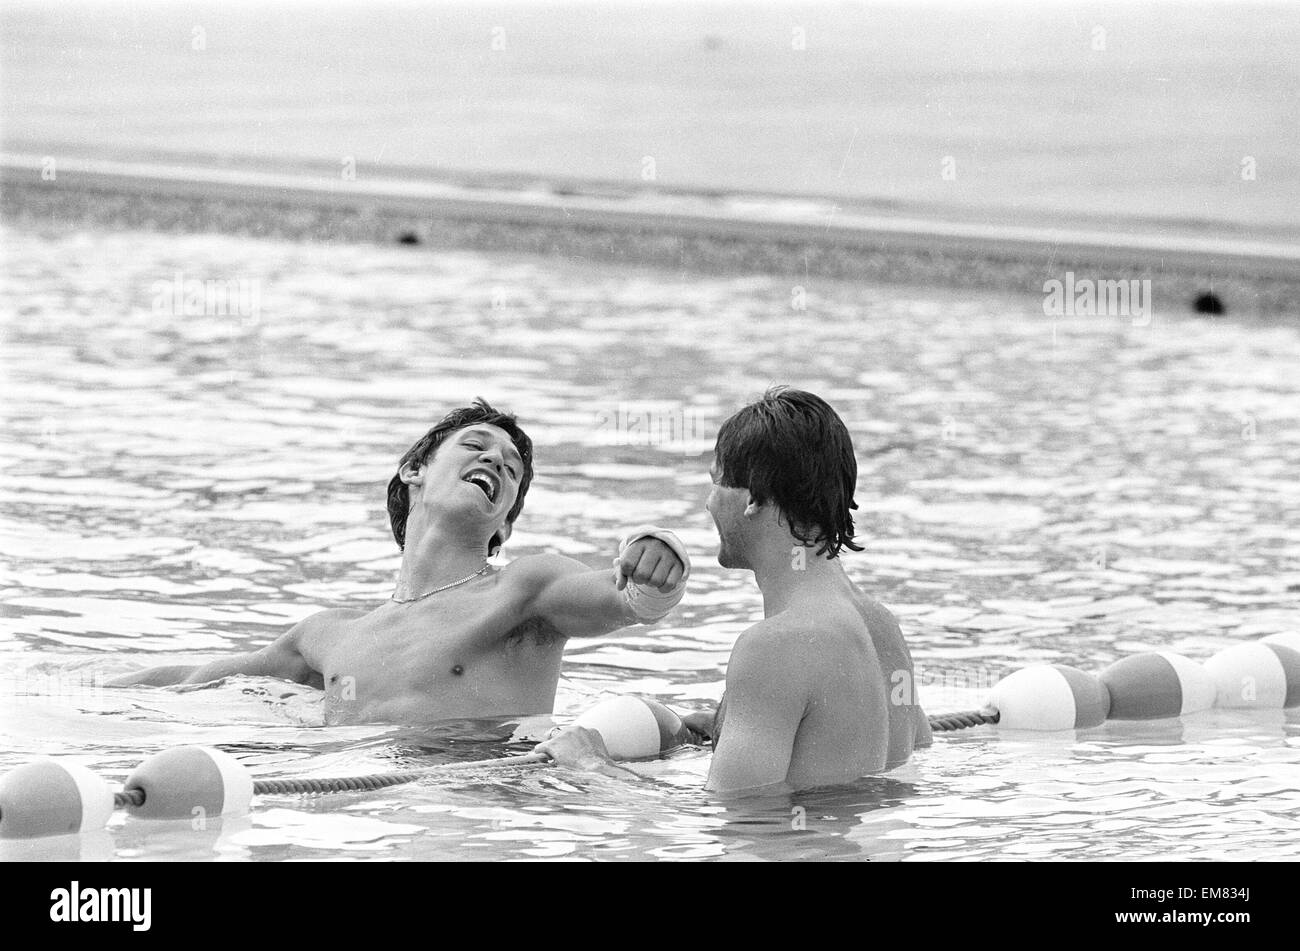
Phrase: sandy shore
[805,238]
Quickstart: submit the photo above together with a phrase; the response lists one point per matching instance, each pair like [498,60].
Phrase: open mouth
[486,481]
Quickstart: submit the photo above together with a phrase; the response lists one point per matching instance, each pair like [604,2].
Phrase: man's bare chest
[411,648]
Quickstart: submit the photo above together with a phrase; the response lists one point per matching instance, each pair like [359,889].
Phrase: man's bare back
[838,660]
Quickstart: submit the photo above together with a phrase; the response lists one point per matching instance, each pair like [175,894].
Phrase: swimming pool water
[176,485]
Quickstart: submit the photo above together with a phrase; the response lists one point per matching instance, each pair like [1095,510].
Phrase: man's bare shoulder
[331,617]
[832,617]
[785,646]
[531,573]
[324,624]
[878,616]
[814,638]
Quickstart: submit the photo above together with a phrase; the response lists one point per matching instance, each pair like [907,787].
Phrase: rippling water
[1030,490]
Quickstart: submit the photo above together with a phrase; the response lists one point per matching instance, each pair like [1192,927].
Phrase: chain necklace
[446,587]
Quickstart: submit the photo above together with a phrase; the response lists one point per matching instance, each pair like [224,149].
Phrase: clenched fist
[648,561]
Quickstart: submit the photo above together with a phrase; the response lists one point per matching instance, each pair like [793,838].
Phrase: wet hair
[481,413]
[791,448]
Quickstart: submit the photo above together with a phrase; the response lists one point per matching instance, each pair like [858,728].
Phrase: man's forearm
[253,664]
[155,676]
[281,658]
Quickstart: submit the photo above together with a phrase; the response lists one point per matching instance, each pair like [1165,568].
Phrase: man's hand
[581,748]
[648,561]
[701,723]
[578,747]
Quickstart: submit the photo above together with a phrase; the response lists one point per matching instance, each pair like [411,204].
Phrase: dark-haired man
[820,691]
[460,638]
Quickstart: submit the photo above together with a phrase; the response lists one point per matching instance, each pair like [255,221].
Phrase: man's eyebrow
[488,434]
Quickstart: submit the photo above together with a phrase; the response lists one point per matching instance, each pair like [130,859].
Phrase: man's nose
[491,457]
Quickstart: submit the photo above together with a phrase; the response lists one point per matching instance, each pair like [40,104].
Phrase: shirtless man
[820,691]
[460,638]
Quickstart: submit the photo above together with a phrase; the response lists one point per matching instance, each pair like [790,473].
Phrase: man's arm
[767,697]
[281,658]
[701,722]
[154,676]
[648,578]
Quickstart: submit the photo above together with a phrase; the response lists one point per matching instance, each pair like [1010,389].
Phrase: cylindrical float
[191,782]
[1264,675]
[1157,684]
[1050,697]
[635,728]
[52,797]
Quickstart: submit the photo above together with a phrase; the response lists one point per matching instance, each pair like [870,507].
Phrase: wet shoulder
[766,643]
[879,619]
[324,626]
[528,575]
[849,634]
[790,647]
[885,632]
[836,619]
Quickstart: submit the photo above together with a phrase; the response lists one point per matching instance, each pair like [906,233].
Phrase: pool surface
[176,482]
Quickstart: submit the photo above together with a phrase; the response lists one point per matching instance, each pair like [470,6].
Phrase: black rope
[336,784]
[944,722]
[333,784]
[133,797]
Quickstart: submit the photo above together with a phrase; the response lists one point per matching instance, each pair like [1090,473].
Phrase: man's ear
[411,473]
[499,539]
[752,507]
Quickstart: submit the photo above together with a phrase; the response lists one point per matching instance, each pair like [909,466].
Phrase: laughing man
[460,638]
